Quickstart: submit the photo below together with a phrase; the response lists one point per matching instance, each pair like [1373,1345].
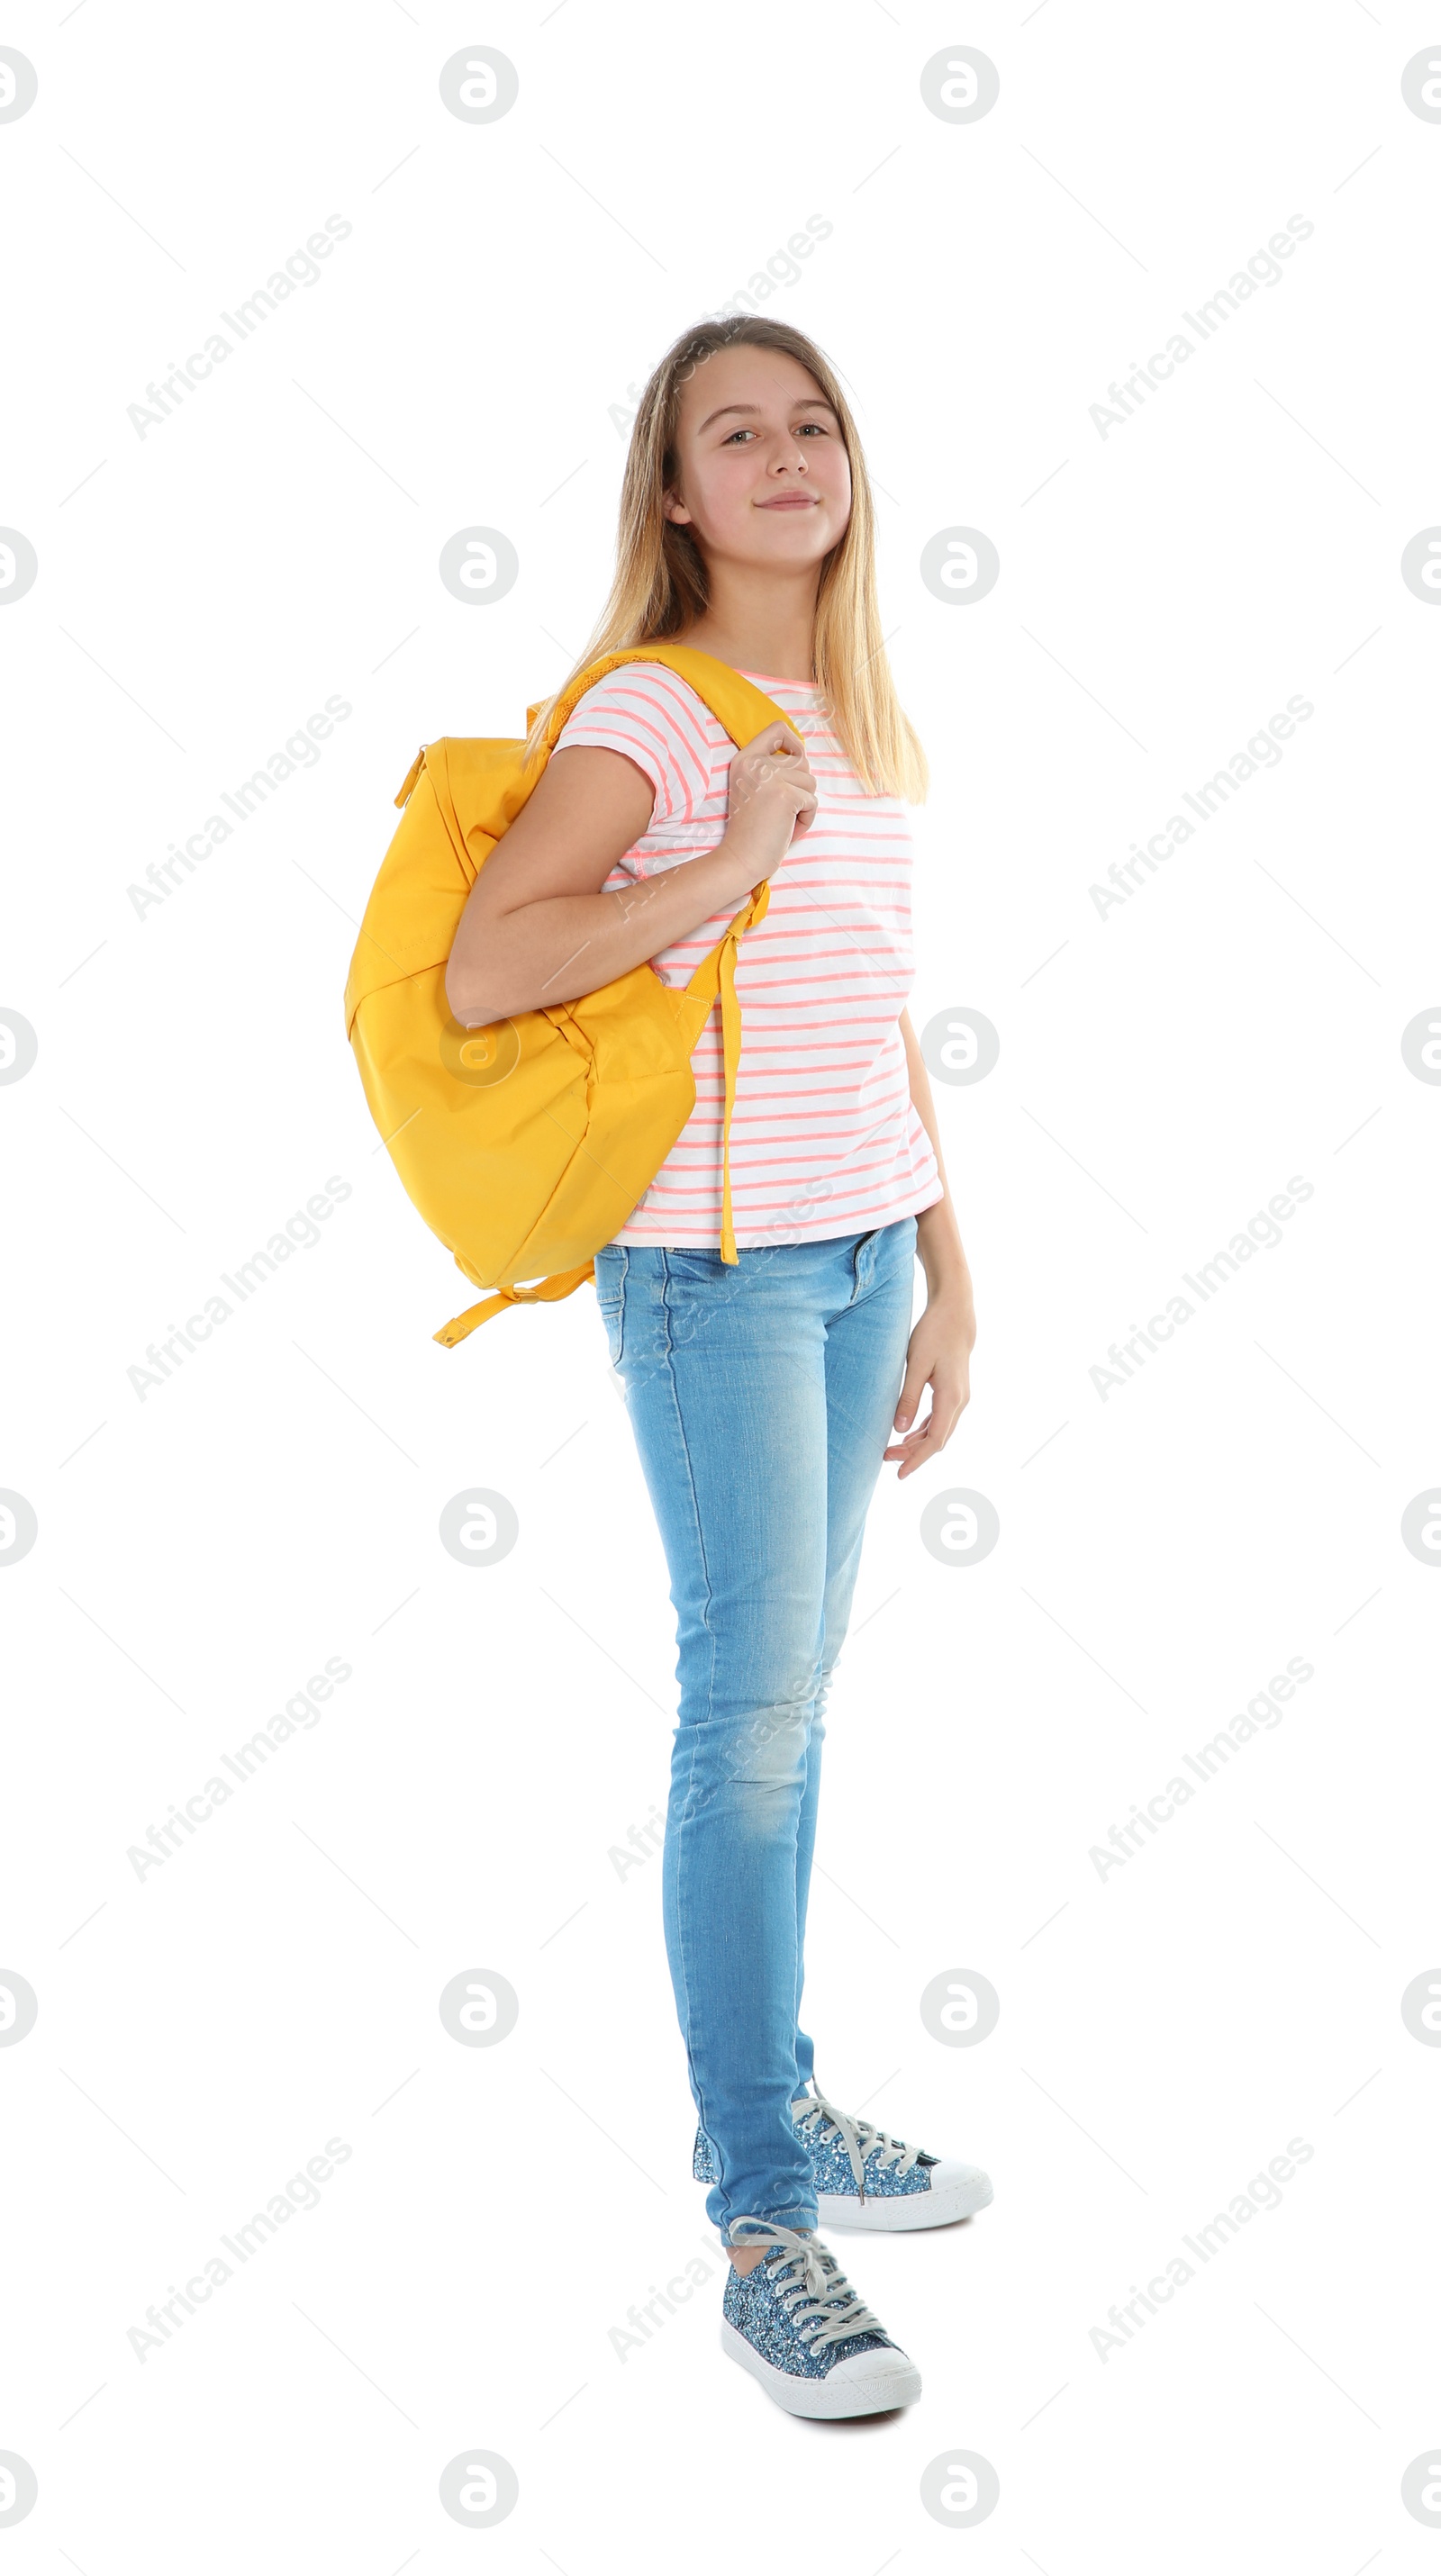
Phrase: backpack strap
[718,973]
[735,702]
[743,711]
[561,1283]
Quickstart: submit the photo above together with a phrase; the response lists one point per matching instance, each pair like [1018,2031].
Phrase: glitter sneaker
[798,2327]
[867,2180]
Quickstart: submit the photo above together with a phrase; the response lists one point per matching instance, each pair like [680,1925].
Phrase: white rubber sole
[869,2383]
[957,2191]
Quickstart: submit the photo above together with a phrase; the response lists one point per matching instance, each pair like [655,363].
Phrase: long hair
[661,585]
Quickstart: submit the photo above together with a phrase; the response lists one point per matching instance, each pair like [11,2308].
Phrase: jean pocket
[696,1264]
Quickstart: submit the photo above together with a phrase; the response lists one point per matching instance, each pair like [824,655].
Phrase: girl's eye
[817,425]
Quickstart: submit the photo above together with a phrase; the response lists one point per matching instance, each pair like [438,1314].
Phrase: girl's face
[764,477]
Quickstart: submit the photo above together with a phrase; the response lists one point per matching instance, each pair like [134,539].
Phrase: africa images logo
[301,269]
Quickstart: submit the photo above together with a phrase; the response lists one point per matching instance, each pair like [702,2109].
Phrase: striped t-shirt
[825,1139]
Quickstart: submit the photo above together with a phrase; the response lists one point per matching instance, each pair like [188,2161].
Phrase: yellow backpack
[527,1144]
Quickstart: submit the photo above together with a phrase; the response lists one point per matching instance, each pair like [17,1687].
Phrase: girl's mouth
[790,501]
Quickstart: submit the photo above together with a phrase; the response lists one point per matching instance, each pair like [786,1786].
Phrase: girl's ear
[675,509]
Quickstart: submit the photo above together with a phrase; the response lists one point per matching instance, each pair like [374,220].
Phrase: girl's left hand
[938,1356]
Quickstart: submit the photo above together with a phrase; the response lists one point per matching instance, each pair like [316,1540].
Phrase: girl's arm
[537,927]
[940,1346]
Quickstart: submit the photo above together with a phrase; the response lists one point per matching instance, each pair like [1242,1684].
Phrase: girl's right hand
[772,799]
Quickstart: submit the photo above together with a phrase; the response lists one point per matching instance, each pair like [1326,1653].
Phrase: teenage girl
[762,1394]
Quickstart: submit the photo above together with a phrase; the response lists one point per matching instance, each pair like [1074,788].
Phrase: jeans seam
[624,1252]
[681,1819]
[801,2210]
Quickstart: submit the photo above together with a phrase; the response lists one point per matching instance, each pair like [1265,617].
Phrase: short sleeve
[647,713]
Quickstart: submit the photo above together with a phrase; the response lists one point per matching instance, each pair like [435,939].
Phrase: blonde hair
[661,586]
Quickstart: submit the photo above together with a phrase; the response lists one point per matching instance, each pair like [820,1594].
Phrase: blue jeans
[761,1397]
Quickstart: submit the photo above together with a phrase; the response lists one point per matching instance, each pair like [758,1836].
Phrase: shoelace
[813,2291]
[861,2138]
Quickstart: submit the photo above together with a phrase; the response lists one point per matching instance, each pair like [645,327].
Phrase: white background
[1164,1070]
